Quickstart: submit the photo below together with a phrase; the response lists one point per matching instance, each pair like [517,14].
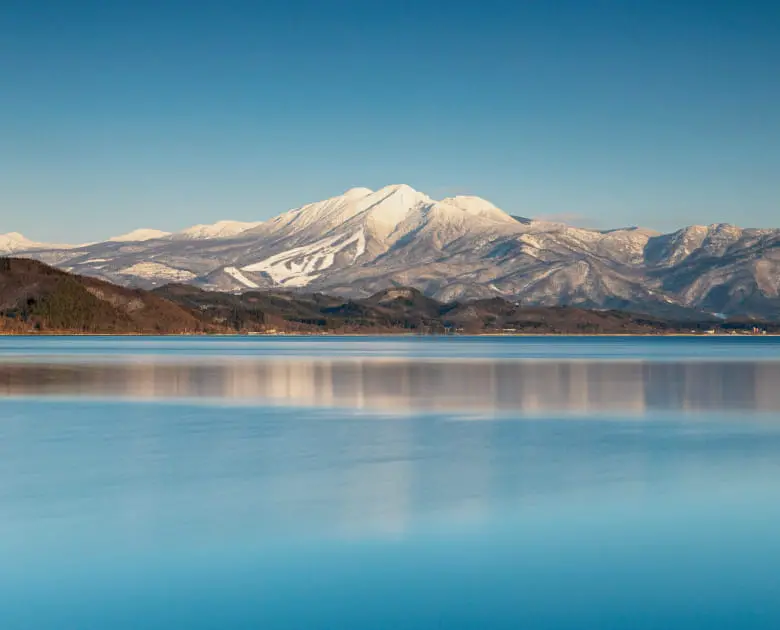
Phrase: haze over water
[617,483]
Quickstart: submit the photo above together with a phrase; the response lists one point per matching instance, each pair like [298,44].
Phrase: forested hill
[36,297]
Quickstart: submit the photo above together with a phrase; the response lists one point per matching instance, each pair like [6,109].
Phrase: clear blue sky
[117,115]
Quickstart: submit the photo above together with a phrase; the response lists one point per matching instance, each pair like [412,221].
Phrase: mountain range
[37,298]
[459,248]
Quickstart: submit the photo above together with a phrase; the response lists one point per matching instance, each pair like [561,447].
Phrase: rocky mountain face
[460,248]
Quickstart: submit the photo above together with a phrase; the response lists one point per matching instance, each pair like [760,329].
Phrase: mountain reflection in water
[416,385]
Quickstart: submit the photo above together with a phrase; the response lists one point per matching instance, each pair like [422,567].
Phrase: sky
[606,113]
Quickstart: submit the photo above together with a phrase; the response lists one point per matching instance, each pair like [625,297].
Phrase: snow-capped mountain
[363,241]
[220,229]
[14,242]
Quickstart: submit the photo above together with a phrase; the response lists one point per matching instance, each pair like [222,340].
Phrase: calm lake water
[377,483]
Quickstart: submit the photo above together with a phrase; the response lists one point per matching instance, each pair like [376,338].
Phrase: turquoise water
[381,483]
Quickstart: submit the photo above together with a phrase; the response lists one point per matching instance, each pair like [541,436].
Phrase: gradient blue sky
[117,115]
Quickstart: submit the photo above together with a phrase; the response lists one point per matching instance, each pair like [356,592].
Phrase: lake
[389,482]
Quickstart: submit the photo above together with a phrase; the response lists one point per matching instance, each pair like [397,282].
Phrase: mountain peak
[390,205]
[479,207]
[139,235]
[724,227]
[14,242]
[400,195]
[357,193]
[14,236]
[220,229]
[395,189]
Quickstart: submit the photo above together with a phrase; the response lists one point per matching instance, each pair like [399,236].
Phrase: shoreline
[384,334]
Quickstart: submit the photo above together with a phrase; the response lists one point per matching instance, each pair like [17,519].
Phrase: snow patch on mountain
[157,271]
[299,266]
[237,275]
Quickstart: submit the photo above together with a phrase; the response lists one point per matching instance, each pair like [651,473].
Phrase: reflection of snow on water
[468,387]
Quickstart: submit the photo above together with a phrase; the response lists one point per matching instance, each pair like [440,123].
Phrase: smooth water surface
[616,483]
